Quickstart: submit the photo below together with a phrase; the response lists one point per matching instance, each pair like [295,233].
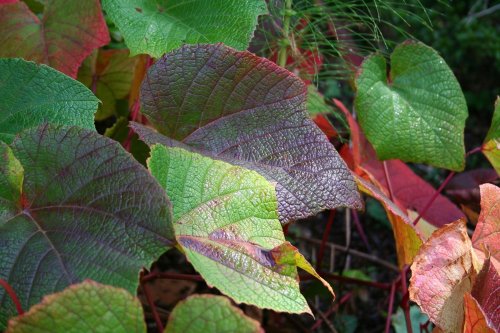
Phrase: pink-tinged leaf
[486,291]
[246,109]
[411,191]
[475,319]
[408,238]
[443,271]
[486,237]
[66,34]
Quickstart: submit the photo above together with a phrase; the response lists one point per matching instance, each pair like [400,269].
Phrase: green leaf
[209,314]
[109,74]
[66,34]
[494,131]
[87,210]
[35,94]
[248,111]
[11,180]
[226,221]
[157,27]
[418,113]
[85,307]
[491,146]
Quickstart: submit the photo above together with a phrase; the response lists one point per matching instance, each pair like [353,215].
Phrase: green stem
[282,56]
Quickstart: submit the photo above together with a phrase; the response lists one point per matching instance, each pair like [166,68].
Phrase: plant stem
[359,228]
[347,280]
[10,291]
[443,185]
[326,233]
[152,306]
[171,276]
[282,55]
[388,181]
[434,196]
[389,310]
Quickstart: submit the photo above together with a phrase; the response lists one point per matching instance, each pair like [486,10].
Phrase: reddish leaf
[411,191]
[203,94]
[486,291]
[475,319]
[66,34]
[486,235]
[443,271]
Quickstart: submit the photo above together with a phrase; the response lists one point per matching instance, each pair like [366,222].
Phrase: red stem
[13,296]
[389,310]
[170,276]
[324,240]
[388,181]
[434,197]
[359,228]
[442,186]
[152,306]
[133,116]
[348,280]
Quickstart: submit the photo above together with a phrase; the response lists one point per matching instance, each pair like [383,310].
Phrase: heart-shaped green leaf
[157,27]
[209,314]
[226,221]
[66,34]
[34,94]
[85,307]
[418,113]
[249,111]
[87,210]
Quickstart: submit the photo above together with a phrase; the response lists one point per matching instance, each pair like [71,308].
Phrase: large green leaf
[109,74]
[85,307]
[251,112]
[159,26]
[87,210]
[226,221]
[209,314]
[34,94]
[65,35]
[418,113]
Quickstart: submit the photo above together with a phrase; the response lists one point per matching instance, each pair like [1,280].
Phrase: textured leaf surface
[109,74]
[486,291]
[418,114]
[157,27]
[11,175]
[66,34]
[491,146]
[486,237]
[411,191]
[240,107]
[443,271]
[209,314]
[85,307]
[34,94]
[226,221]
[475,319]
[408,238]
[88,210]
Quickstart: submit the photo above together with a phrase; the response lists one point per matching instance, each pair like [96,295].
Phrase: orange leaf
[475,320]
